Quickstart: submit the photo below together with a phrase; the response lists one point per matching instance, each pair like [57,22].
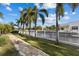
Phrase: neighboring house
[71,27]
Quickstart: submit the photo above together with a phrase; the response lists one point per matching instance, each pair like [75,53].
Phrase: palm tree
[25,18]
[28,16]
[59,13]
[40,13]
[18,23]
[22,18]
[1,16]
[74,6]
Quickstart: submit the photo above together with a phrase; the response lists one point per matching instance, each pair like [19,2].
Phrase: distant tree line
[5,28]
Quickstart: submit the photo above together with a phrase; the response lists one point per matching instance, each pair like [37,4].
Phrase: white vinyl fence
[65,37]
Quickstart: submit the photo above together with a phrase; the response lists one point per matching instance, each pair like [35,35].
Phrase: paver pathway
[24,48]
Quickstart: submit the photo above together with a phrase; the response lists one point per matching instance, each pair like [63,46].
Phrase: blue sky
[11,12]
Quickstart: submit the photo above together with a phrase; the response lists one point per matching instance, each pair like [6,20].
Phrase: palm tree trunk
[57,32]
[35,29]
[29,27]
[23,28]
[36,23]
[18,27]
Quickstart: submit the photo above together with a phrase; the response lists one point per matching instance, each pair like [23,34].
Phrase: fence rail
[66,37]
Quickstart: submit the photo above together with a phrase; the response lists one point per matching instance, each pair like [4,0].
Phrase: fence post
[36,33]
[44,34]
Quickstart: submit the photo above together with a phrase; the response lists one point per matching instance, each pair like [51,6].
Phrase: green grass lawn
[6,47]
[50,47]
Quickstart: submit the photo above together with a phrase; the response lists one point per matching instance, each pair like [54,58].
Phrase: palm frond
[44,11]
[74,6]
[29,10]
[59,10]
[42,17]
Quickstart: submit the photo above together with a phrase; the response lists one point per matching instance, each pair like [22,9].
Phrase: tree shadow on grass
[51,48]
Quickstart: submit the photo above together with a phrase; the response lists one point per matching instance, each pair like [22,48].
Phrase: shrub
[3,40]
[14,32]
[5,28]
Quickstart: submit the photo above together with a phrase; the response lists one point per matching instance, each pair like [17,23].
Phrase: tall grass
[6,47]
[3,40]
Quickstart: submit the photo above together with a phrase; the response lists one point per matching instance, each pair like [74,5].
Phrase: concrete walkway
[24,48]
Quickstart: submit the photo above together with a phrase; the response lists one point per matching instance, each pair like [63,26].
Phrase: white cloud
[73,13]
[51,17]
[6,4]
[46,5]
[65,13]
[49,20]
[66,17]
[49,5]
[38,5]
[1,20]
[8,8]
[20,8]
[12,14]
